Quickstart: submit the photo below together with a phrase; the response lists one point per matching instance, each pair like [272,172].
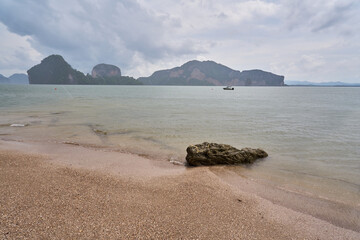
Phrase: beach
[100,162]
[61,190]
[193,119]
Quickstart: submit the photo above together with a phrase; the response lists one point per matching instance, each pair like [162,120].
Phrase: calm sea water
[312,134]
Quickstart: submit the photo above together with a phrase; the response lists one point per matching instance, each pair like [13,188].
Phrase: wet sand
[54,190]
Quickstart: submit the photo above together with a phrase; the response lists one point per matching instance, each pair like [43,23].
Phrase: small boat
[228,88]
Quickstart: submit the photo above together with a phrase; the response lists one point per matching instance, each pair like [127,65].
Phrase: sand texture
[80,193]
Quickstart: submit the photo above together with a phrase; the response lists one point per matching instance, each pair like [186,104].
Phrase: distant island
[209,73]
[17,78]
[55,70]
[322,84]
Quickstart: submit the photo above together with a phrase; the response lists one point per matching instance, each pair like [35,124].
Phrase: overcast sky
[304,40]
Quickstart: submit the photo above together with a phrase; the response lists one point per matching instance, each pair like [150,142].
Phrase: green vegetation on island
[209,73]
[55,70]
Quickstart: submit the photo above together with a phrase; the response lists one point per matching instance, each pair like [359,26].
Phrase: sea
[312,134]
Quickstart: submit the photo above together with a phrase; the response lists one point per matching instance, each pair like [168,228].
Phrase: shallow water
[312,134]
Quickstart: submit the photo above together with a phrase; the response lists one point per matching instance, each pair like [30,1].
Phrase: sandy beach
[66,191]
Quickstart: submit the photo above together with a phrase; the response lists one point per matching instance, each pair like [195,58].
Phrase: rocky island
[55,70]
[210,73]
[105,70]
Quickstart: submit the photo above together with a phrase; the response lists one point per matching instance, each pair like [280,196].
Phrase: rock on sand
[214,153]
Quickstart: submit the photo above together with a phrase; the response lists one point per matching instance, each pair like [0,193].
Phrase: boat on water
[228,88]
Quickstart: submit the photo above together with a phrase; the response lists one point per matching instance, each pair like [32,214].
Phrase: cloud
[16,53]
[106,30]
[290,38]
[319,15]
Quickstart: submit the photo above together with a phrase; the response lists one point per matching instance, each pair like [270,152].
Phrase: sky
[304,40]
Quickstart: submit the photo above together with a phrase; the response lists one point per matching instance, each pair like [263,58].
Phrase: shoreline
[172,197]
[335,212]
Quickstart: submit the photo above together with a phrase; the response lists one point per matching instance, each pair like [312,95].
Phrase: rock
[99,132]
[210,73]
[55,70]
[105,70]
[214,153]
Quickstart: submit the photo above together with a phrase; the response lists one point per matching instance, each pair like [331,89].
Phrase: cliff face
[55,70]
[105,70]
[107,74]
[212,74]
[258,78]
